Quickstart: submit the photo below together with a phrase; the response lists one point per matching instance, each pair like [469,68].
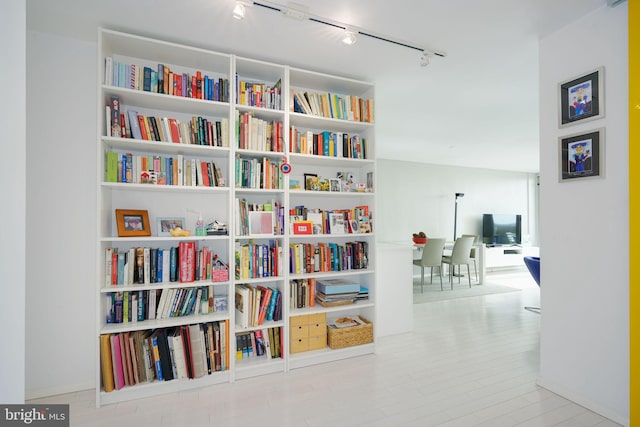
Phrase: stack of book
[332,292]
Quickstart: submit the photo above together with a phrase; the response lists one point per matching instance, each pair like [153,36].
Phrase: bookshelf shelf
[238,90]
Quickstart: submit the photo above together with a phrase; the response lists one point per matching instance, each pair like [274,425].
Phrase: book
[116,361]
[337,286]
[198,354]
[106,363]
[242,305]
[116,125]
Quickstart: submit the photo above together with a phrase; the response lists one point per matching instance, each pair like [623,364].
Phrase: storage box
[303,227]
[219,275]
[353,335]
[308,332]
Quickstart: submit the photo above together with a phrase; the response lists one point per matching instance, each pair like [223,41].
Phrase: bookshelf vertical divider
[212,148]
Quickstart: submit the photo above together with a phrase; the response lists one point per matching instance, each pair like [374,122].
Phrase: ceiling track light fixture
[349,37]
[300,12]
[240,10]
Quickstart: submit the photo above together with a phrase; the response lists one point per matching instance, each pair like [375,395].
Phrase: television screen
[502,229]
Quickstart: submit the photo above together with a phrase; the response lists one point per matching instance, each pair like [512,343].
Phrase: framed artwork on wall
[581,98]
[581,155]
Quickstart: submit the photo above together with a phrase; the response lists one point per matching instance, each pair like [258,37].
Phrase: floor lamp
[455,224]
[455,215]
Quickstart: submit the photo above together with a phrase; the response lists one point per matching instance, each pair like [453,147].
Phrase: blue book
[134,124]
[159,263]
[156,357]
[272,303]
[337,286]
[146,81]
[173,264]
[121,256]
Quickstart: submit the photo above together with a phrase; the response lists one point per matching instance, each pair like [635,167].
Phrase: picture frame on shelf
[337,223]
[132,223]
[581,155]
[166,224]
[353,224]
[581,98]
[335,185]
[325,185]
[311,182]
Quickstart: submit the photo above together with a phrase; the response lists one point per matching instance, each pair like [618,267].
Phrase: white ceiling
[476,107]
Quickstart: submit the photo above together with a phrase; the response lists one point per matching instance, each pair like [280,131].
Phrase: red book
[198,85]
[205,174]
[114,268]
[194,86]
[175,131]
[187,261]
[143,127]
[264,303]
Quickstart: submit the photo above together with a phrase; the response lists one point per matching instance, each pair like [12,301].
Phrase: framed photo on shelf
[132,223]
[581,155]
[166,224]
[311,182]
[335,185]
[581,98]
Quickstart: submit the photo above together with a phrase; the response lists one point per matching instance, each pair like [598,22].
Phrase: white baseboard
[54,391]
[583,401]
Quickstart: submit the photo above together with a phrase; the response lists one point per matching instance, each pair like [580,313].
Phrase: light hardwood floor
[469,362]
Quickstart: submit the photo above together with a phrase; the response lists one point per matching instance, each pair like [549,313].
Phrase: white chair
[459,256]
[431,257]
[473,252]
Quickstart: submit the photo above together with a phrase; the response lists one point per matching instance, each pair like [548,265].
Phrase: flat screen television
[502,229]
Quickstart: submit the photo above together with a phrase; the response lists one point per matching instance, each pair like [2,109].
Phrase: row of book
[166,81]
[323,257]
[326,292]
[253,133]
[328,144]
[138,306]
[195,131]
[259,218]
[128,168]
[331,221]
[265,173]
[265,343]
[259,95]
[257,260]
[333,106]
[144,265]
[183,352]
[255,304]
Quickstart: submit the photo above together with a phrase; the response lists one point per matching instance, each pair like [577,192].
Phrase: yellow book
[106,363]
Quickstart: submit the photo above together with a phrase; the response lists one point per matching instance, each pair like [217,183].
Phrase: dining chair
[459,256]
[473,252]
[431,257]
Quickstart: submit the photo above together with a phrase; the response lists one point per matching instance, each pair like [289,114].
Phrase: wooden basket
[354,335]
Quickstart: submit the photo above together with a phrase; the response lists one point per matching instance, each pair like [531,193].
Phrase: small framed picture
[353,224]
[335,185]
[166,224]
[311,182]
[132,223]
[581,98]
[324,185]
[581,155]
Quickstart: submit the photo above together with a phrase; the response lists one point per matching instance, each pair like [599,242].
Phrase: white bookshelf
[221,202]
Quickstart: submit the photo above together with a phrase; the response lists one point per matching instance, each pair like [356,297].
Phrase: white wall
[421,197]
[584,226]
[61,212]
[12,176]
